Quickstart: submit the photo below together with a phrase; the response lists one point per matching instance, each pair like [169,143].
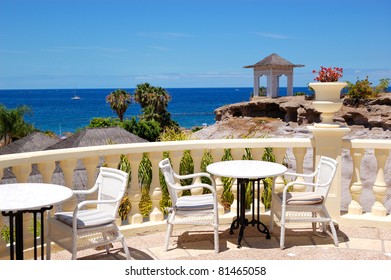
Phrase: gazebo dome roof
[273,60]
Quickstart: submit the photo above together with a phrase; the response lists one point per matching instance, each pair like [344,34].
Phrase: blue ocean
[55,110]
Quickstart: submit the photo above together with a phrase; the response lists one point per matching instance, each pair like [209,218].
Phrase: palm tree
[12,124]
[119,101]
[154,102]
[143,94]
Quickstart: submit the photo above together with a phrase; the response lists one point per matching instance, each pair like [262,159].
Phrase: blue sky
[179,43]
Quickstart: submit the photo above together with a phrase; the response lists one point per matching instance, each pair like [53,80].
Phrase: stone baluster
[175,158]
[68,167]
[237,154]
[197,157]
[22,172]
[90,165]
[217,155]
[356,187]
[134,193]
[46,169]
[380,186]
[112,160]
[156,214]
[299,154]
[279,183]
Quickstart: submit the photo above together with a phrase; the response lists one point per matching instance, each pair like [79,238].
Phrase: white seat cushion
[295,198]
[85,218]
[195,202]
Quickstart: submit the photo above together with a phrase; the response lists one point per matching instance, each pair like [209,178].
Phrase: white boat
[75,96]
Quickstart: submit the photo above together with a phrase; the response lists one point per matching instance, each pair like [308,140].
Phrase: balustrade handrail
[104,150]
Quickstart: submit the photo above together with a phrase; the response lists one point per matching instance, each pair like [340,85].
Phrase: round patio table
[19,198]
[247,171]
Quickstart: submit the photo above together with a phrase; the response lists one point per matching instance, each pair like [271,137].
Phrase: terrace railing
[347,201]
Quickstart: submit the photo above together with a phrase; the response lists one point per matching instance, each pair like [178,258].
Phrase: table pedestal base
[19,232]
[241,210]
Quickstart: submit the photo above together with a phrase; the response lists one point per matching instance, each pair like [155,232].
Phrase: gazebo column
[273,85]
[290,85]
[269,90]
[256,84]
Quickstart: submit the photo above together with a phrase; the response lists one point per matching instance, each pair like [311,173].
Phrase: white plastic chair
[192,209]
[306,206]
[92,227]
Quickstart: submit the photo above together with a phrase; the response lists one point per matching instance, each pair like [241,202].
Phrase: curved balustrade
[63,164]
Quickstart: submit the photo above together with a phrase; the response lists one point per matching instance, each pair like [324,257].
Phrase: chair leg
[48,248]
[271,220]
[126,249]
[314,227]
[168,235]
[106,244]
[282,237]
[334,232]
[216,239]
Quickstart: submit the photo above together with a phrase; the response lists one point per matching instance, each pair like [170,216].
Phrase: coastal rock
[370,114]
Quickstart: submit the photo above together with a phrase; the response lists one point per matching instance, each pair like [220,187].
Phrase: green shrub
[360,90]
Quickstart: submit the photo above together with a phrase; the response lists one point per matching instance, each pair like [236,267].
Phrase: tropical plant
[13,125]
[119,101]
[328,74]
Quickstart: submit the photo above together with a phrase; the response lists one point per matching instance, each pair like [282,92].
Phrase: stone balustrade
[299,154]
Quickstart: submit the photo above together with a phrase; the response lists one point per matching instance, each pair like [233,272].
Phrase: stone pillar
[356,187]
[156,214]
[328,142]
[380,186]
[289,85]
[256,84]
[269,90]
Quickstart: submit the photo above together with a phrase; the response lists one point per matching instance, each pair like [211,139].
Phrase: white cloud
[271,35]
[163,35]
[159,48]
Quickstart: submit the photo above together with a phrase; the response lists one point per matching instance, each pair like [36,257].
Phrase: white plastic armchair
[192,209]
[308,206]
[95,226]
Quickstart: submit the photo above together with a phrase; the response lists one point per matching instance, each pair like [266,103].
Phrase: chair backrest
[169,177]
[327,168]
[112,184]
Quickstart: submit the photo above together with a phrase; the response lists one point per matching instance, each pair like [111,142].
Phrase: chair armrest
[299,183]
[301,174]
[94,202]
[195,175]
[212,188]
[89,191]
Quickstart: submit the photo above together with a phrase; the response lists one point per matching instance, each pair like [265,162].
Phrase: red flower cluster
[328,74]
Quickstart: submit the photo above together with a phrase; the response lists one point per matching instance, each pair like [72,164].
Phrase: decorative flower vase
[327,101]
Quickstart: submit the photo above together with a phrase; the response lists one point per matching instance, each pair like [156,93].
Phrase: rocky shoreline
[290,117]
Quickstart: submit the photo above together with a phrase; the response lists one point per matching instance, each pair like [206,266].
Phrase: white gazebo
[273,67]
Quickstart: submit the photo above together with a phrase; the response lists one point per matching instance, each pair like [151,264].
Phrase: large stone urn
[327,101]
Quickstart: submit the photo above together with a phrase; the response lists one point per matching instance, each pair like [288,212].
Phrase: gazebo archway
[273,67]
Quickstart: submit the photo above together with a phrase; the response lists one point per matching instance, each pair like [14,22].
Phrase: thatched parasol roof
[96,137]
[274,60]
[36,141]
